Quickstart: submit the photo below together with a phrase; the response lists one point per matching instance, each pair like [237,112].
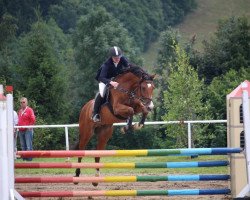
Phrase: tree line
[51,50]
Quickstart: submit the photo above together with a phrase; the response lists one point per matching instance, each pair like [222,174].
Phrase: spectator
[26,117]
[15,121]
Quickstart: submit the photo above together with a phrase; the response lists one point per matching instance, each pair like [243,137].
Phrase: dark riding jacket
[108,70]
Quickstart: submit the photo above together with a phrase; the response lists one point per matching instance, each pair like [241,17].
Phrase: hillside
[203,21]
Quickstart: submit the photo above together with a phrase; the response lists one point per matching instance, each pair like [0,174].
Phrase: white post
[67,138]
[67,141]
[245,104]
[10,143]
[189,135]
[4,183]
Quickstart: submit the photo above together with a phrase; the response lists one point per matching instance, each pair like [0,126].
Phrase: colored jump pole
[126,193]
[153,152]
[124,165]
[121,179]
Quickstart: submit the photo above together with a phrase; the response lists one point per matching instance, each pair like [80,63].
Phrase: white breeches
[102,87]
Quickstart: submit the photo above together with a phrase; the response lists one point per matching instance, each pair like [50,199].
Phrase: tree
[38,73]
[143,29]
[174,11]
[221,87]
[224,64]
[165,60]
[154,15]
[23,11]
[229,49]
[91,48]
[68,12]
[8,30]
[217,91]
[183,100]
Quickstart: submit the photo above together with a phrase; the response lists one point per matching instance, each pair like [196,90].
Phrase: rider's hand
[114,84]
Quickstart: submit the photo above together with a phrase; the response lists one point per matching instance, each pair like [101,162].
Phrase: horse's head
[144,87]
[138,85]
[145,91]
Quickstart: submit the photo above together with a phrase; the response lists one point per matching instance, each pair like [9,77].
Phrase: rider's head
[116,53]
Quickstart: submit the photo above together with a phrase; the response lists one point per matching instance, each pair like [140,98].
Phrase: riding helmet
[115,51]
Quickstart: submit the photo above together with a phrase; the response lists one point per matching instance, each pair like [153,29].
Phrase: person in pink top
[26,117]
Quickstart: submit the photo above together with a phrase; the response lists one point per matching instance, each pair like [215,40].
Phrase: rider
[109,69]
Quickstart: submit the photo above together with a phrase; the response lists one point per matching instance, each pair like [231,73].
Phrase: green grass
[107,172]
[202,22]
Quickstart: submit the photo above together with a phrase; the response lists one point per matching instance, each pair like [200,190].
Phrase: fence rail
[189,124]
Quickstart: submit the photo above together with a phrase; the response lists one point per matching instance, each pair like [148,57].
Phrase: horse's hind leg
[104,133]
[84,137]
[77,170]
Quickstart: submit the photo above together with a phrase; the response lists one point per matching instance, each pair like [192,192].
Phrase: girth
[112,111]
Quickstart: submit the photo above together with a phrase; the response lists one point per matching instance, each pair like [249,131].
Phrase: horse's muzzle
[150,106]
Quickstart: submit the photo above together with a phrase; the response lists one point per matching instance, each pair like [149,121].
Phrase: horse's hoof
[137,126]
[95,184]
[76,183]
[96,175]
[123,130]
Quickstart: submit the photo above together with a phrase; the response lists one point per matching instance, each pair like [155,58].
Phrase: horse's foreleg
[139,125]
[123,110]
[127,112]
[142,121]
[128,127]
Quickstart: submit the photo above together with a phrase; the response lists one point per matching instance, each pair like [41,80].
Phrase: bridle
[133,94]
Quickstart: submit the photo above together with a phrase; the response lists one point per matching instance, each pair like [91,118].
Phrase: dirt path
[128,186]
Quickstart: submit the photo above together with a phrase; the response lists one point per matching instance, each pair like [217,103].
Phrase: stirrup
[96,118]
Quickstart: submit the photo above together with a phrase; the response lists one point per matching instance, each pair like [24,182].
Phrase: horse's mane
[138,71]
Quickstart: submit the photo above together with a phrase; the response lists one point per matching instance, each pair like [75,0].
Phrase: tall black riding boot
[97,106]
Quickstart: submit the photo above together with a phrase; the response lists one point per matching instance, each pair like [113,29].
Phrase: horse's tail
[85,116]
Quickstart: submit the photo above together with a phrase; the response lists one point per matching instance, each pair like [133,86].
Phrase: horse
[132,96]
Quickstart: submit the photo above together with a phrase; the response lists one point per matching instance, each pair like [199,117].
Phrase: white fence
[189,124]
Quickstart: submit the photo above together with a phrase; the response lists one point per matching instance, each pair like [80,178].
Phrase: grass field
[202,22]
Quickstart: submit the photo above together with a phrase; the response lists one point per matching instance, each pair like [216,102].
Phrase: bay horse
[132,96]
